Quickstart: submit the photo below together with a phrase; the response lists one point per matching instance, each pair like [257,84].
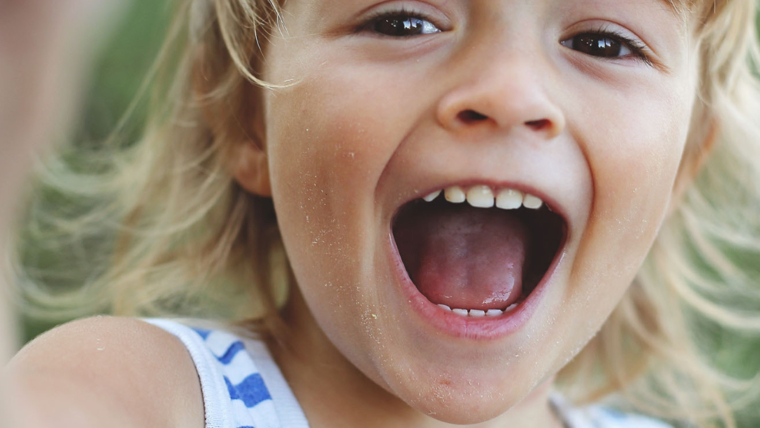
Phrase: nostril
[538,125]
[471,116]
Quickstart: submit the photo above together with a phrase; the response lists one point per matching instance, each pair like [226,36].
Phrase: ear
[251,169]
[695,156]
[247,161]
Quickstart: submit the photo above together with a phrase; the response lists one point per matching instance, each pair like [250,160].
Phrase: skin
[379,124]
[104,371]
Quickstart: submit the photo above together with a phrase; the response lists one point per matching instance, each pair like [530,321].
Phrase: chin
[464,407]
[466,397]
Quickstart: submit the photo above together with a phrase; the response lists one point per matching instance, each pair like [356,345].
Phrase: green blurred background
[119,72]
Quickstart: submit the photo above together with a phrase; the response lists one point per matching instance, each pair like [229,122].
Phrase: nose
[504,93]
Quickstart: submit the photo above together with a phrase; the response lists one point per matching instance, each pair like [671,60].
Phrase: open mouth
[478,251]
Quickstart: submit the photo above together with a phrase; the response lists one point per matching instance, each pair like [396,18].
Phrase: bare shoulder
[124,365]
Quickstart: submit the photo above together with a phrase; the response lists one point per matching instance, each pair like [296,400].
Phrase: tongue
[463,257]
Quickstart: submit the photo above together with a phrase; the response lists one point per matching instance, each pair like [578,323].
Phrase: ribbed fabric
[243,387]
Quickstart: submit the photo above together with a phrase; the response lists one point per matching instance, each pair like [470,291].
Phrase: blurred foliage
[115,81]
[121,69]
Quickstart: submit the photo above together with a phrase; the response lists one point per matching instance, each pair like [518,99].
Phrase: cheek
[311,161]
[634,158]
[328,142]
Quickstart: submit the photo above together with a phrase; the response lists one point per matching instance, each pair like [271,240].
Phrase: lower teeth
[477,313]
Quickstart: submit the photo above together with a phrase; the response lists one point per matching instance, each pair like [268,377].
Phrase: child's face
[515,94]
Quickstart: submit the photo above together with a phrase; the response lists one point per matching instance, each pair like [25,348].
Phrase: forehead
[695,13]
[685,8]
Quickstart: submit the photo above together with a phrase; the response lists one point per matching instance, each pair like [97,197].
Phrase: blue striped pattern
[251,390]
[202,332]
[251,402]
[230,353]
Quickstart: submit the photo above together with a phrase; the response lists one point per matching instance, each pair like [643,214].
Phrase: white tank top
[243,387]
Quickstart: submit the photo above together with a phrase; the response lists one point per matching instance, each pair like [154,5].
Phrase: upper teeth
[454,194]
[432,196]
[482,196]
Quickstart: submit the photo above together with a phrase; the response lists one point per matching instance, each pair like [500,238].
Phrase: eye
[597,45]
[606,44]
[399,24]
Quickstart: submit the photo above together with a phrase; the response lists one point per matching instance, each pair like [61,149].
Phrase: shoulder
[123,364]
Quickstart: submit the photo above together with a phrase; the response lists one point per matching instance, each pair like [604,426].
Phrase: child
[463,195]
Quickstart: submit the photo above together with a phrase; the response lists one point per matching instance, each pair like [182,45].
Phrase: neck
[334,393]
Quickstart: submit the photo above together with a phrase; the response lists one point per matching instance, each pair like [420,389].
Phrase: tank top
[242,386]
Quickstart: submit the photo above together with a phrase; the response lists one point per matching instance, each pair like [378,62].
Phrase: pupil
[399,26]
[599,45]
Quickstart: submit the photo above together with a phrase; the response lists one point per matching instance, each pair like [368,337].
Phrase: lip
[480,329]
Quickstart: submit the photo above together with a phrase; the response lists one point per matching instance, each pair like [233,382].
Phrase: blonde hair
[179,236]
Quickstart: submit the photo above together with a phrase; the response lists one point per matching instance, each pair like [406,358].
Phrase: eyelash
[402,12]
[637,48]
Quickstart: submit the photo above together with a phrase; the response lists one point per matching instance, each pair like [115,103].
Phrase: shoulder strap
[215,398]
[598,416]
[236,393]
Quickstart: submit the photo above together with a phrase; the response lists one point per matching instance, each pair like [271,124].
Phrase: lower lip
[473,328]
